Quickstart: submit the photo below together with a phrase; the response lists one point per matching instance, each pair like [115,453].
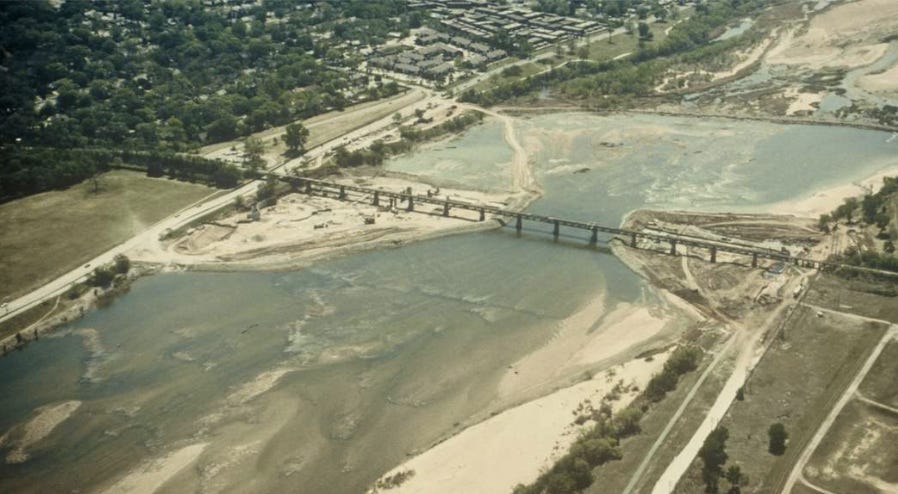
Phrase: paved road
[177,220]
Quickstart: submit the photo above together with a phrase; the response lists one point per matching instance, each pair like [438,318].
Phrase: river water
[381,353]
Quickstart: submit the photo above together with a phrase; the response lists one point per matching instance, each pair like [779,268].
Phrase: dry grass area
[45,235]
[880,384]
[861,297]
[858,454]
[796,383]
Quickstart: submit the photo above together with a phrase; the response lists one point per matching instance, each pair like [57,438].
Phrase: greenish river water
[387,350]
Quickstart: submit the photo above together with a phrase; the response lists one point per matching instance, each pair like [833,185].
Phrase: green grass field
[45,235]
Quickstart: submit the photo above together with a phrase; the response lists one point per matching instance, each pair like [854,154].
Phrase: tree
[397,118]
[295,136]
[644,31]
[778,436]
[713,455]
[823,223]
[736,479]
[252,153]
[627,421]
[102,276]
[122,264]
[846,209]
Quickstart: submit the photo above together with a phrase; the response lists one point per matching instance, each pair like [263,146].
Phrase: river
[321,379]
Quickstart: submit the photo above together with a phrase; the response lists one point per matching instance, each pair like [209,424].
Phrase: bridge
[340,191]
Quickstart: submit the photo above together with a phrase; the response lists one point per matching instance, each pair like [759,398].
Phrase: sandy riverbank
[302,228]
[148,478]
[516,445]
[826,200]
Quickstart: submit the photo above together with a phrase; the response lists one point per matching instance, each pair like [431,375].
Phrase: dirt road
[752,349]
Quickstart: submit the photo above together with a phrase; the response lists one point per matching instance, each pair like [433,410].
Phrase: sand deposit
[300,228]
[516,445]
[39,427]
[883,82]
[825,201]
[147,478]
[848,36]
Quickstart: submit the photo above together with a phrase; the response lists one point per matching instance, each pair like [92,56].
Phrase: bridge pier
[594,238]
[411,203]
[555,230]
[342,192]
[673,247]
[713,254]
[445,209]
[376,200]
[308,187]
[754,260]
[482,214]
[518,224]
[633,240]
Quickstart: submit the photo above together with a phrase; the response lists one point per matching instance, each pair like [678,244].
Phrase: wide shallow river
[319,380]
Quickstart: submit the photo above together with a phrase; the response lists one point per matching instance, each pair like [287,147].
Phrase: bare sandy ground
[36,429]
[849,35]
[301,228]
[153,475]
[514,446]
[801,102]
[587,337]
[883,82]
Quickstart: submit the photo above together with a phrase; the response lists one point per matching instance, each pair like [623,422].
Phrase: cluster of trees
[714,457]
[172,74]
[25,171]
[103,276]
[874,210]
[375,154]
[869,259]
[601,443]
[685,359]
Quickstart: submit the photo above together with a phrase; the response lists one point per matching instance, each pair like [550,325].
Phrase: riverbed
[321,379]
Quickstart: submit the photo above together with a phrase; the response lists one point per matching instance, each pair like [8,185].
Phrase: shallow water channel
[381,353]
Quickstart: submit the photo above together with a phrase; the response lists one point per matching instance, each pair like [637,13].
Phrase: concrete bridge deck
[632,237]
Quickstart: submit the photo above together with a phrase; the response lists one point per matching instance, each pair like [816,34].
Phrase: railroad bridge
[377,196]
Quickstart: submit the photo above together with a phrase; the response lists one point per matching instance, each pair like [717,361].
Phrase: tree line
[600,444]
[27,171]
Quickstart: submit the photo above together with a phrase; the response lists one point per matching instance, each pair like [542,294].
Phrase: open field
[855,297]
[880,384]
[796,383]
[858,454]
[47,234]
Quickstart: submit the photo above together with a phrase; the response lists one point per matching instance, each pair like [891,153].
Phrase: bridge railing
[673,239]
